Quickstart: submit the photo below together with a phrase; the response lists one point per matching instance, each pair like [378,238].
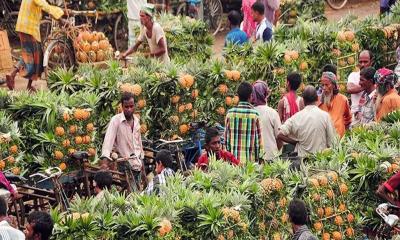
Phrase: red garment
[5,183]
[393,183]
[291,98]
[222,154]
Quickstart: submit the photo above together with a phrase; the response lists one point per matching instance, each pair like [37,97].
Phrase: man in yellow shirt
[28,29]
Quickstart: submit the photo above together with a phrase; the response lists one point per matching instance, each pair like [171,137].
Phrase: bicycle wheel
[58,54]
[336,4]
[45,29]
[121,33]
[213,13]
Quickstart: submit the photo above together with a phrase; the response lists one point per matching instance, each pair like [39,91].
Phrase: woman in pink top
[248,25]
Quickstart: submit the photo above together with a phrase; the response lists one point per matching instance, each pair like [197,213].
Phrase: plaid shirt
[30,14]
[243,133]
[160,179]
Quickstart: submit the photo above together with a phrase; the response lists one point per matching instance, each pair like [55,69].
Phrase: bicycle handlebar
[50,172]
[80,13]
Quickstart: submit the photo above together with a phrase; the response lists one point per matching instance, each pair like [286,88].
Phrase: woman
[248,24]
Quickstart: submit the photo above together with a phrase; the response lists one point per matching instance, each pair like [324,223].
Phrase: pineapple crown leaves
[276,168]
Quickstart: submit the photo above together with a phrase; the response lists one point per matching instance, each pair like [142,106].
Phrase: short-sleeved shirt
[264,31]
[221,155]
[367,105]
[236,36]
[354,78]
[156,34]
[305,125]
[270,124]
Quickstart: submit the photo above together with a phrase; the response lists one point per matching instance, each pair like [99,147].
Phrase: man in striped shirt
[164,165]
[7,232]
[242,128]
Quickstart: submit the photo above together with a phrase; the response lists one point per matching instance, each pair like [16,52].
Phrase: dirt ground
[360,8]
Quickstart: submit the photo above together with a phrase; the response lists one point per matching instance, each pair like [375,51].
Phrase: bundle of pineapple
[306,9]
[92,47]
[10,153]
[331,207]
[391,33]
[75,132]
[140,103]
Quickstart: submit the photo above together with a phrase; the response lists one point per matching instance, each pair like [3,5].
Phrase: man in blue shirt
[235,36]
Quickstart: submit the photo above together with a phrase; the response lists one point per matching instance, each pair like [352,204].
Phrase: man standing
[213,147]
[40,226]
[298,216]
[153,33]
[28,29]
[272,10]
[242,128]
[335,103]
[235,36]
[134,7]
[290,104]
[353,86]
[366,113]
[123,134]
[264,27]
[269,119]
[6,230]
[388,98]
[311,129]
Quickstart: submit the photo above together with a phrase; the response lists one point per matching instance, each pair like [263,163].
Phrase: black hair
[309,95]
[298,212]
[126,96]
[244,91]
[294,78]
[3,207]
[258,7]
[234,18]
[165,157]
[211,133]
[330,68]
[41,223]
[368,73]
[103,179]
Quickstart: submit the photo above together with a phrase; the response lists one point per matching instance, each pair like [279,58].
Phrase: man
[388,99]
[28,29]
[40,226]
[353,86]
[6,230]
[164,165]
[311,129]
[103,181]
[264,27]
[235,36]
[272,12]
[290,104]
[269,120]
[123,134]
[242,128]
[335,103]
[153,33]
[134,7]
[213,147]
[385,6]
[298,217]
[366,113]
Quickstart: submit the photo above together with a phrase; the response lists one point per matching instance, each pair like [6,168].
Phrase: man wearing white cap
[153,33]
[134,7]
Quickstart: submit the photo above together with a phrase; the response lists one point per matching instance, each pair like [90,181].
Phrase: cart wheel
[121,33]
[213,13]
[45,29]
[336,4]
[58,54]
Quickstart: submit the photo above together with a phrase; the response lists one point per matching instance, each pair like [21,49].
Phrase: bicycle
[336,4]
[210,11]
[390,228]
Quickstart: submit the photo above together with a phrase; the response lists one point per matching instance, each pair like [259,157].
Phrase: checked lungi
[31,62]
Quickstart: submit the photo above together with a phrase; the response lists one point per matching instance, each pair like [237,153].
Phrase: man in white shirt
[353,82]
[134,7]
[7,232]
[153,33]
[311,129]
[264,27]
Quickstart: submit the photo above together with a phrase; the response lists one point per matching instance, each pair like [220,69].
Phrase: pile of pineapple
[75,132]
[347,55]
[140,103]
[92,47]
[331,210]
[10,153]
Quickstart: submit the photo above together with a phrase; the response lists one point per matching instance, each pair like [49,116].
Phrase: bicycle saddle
[14,178]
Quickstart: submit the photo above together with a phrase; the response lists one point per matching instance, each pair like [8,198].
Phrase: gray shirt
[312,128]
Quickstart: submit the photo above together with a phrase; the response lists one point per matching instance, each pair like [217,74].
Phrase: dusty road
[360,8]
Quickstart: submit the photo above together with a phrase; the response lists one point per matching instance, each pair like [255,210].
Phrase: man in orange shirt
[388,98]
[335,103]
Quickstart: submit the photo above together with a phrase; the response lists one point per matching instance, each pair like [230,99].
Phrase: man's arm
[54,11]
[280,109]
[227,134]
[109,139]
[285,131]
[347,115]
[330,132]
[259,146]
[131,50]
[161,49]
[354,88]
[287,139]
